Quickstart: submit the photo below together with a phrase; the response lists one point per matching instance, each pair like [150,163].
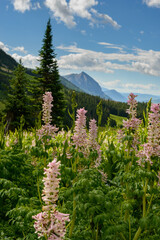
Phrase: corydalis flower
[80,134]
[133,105]
[154,126]
[133,122]
[47,129]
[47,107]
[50,223]
[51,184]
[93,144]
[92,132]
[152,147]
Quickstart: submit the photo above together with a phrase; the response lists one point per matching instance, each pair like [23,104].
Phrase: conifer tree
[48,76]
[17,97]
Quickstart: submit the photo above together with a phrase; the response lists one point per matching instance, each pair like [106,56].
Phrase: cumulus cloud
[127,87]
[112,84]
[104,19]
[81,7]
[24,5]
[152,3]
[110,45]
[134,86]
[61,11]
[66,11]
[4,47]
[19,49]
[29,61]
[143,61]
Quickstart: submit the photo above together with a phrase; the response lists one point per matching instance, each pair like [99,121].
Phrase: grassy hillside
[118,119]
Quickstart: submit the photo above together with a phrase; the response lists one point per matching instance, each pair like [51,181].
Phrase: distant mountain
[87,84]
[116,96]
[6,61]
[141,97]
[69,85]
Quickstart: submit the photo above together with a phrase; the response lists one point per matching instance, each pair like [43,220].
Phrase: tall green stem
[97,232]
[137,233]
[39,195]
[129,228]
[144,204]
[73,217]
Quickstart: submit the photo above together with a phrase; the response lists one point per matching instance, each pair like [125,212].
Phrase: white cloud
[152,3]
[61,11]
[19,49]
[66,11]
[110,45]
[112,84]
[36,6]
[81,7]
[128,87]
[134,86]
[4,47]
[146,62]
[104,19]
[28,61]
[24,5]
[83,32]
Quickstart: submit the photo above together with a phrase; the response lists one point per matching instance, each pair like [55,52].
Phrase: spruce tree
[48,76]
[17,102]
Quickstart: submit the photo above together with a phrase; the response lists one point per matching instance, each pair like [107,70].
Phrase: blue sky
[117,42]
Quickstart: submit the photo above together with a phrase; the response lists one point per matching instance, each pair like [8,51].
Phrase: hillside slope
[87,84]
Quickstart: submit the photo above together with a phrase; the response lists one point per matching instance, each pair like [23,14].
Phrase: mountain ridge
[7,66]
[87,84]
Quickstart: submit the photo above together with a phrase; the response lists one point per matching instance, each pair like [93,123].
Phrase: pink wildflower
[133,105]
[47,107]
[154,127]
[133,122]
[51,184]
[92,132]
[51,223]
[80,134]
[120,135]
[47,129]
[152,147]
[93,144]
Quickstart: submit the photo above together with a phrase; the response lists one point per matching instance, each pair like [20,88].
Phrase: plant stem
[144,205]
[39,195]
[136,236]
[73,217]
[129,228]
[97,232]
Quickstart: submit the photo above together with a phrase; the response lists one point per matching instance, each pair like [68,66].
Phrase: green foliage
[118,119]
[17,97]
[99,112]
